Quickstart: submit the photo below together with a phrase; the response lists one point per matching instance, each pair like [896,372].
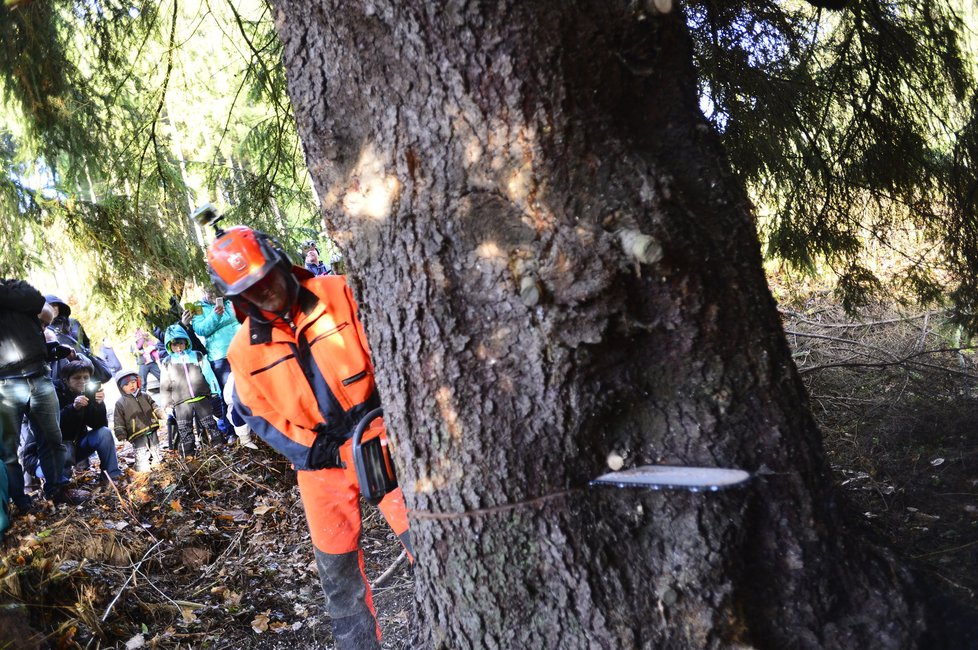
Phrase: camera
[206,215]
[58,351]
[91,388]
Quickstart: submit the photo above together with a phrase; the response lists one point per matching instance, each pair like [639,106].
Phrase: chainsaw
[372,461]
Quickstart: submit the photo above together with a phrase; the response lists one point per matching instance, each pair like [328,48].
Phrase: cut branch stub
[661,6]
[644,248]
[529,290]
[526,276]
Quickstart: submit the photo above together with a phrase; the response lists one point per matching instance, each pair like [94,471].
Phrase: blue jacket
[185,376]
[319,269]
[217,329]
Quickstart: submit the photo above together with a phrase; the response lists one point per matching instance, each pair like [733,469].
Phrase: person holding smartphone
[217,324]
[84,421]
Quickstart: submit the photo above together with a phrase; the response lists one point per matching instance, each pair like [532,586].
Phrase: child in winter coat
[136,419]
[187,385]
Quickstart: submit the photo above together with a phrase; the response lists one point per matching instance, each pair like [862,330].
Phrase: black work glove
[325,450]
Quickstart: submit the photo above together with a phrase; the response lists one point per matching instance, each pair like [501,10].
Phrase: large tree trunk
[493,172]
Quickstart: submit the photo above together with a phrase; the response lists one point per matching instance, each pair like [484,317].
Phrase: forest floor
[214,553]
[895,394]
[211,553]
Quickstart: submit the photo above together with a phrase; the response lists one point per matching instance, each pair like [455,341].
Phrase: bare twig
[884,364]
[923,333]
[131,577]
[176,603]
[128,509]
[217,561]
[245,478]
[889,321]
[894,360]
[953,549]
[385,576]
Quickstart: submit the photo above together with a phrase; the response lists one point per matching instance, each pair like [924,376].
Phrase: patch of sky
[88,9]
[773,46]
[37,178]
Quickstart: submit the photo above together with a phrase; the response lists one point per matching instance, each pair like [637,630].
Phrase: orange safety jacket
[311,369]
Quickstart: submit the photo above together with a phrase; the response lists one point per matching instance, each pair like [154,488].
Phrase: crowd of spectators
[58,397]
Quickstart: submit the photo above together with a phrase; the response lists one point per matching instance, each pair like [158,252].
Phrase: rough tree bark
[555,264]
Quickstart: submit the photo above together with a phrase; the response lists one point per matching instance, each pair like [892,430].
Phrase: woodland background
[854,131]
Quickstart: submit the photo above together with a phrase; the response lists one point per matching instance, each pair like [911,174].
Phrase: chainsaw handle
[362,426]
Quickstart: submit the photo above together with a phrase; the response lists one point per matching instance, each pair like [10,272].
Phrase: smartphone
[219,302]
[91,388]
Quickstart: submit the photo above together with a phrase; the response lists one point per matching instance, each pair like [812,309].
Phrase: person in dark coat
[84,421]
[26,389]
[69,331]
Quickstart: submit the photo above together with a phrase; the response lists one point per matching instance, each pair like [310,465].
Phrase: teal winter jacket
[217,329]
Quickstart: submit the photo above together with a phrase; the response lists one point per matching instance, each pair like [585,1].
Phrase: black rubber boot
[356,633]
[354,625]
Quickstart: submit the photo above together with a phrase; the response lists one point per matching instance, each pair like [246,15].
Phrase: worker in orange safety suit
[303,380]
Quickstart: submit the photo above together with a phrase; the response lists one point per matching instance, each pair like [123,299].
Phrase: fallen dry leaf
[195,557]
[235,515]
[229,597]
[260,623]
[175,505]
[142,495]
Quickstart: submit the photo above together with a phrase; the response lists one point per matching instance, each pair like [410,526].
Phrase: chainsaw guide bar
[669,477]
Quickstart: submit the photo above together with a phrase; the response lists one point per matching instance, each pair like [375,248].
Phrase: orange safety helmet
[240,257]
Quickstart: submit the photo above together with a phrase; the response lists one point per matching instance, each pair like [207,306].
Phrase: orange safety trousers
[331,500]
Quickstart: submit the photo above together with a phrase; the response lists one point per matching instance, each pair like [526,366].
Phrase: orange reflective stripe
[369,596]
[395,512]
